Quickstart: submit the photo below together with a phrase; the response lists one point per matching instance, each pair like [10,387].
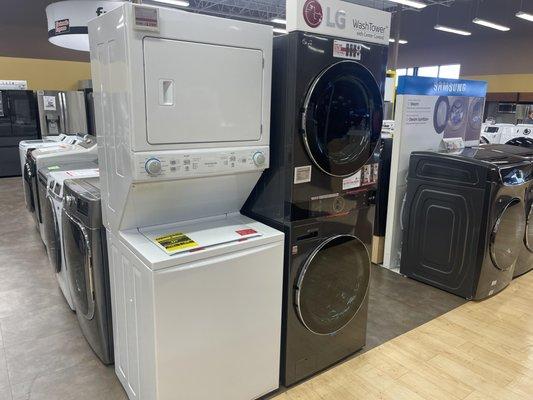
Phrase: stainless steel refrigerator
[62,112]
[18,121]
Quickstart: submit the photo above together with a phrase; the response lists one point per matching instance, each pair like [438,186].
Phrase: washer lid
[193,241]
[183,238]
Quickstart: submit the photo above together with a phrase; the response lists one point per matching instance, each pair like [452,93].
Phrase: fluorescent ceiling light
[279,30]
[490,24]
[279,21]
[452,30]
[525,15]
[401,41]
[411,3]
[179,3]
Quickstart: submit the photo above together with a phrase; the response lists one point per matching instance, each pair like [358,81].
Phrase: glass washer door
[78,260]
[507,234]
[342,118]
[332,284]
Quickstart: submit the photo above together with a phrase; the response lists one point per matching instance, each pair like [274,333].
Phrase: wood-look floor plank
[479,351]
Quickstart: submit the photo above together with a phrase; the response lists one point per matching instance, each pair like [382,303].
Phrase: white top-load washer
[29,145]
[496,133]
[83,150]
[521,135]
[54,229]
[182,105]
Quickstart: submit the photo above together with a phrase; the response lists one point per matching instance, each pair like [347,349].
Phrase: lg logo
[100,11]
[313,15]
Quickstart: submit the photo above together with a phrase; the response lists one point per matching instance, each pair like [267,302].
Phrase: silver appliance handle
[88,258]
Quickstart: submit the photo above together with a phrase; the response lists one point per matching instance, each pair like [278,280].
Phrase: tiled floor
[43,354]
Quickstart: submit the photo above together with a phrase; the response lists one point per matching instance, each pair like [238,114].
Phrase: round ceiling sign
[313,14]
[67,21]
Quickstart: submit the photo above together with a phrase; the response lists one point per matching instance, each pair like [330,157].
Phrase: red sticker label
[246,232]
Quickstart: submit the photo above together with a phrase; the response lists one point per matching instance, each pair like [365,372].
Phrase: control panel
[182,164]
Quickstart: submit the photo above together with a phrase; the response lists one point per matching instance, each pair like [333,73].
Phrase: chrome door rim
[306,106]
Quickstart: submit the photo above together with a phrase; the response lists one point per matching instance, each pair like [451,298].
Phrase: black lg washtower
[320,189]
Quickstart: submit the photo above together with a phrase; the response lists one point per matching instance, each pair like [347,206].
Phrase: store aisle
[479,351]
[43,353]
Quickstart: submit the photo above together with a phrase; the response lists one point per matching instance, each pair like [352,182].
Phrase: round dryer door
[342,118]
[332,284]
[507,235]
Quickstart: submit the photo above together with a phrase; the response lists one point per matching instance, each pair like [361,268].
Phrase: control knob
[153,166]
[259,159]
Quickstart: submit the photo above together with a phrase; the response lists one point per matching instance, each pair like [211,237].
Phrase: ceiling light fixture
[279,30]
[179,3]
[525,15]
[448,29]
[411,3]
[401,41]
[280,21]
[490,24]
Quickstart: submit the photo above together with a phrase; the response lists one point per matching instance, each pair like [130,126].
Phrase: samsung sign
[340,19]
[417,85]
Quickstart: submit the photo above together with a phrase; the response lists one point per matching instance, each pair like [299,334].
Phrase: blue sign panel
[441,87]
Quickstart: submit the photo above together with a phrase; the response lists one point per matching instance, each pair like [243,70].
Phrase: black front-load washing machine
[464,220]
[525,259]
[87,266]
[327,113]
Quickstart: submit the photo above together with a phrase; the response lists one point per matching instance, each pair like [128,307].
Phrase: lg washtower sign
[340,19]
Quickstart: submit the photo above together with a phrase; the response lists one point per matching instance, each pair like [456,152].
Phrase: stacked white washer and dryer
[183,112]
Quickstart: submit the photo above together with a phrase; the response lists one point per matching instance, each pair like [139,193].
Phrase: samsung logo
[449,87]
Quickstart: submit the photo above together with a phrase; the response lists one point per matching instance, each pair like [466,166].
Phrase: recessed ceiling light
[279,21]
[279,30]
[401,41]
[490,24]
[179,3]
[525,15]
[452,30]
[411,3]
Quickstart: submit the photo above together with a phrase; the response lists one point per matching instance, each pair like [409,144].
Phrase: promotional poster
[432,114]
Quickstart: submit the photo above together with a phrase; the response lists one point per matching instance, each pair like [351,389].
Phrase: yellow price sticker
[176,241]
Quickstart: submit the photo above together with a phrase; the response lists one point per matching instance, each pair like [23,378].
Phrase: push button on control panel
[153,166]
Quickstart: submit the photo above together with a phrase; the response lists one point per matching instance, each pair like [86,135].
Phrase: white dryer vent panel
[201,93]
